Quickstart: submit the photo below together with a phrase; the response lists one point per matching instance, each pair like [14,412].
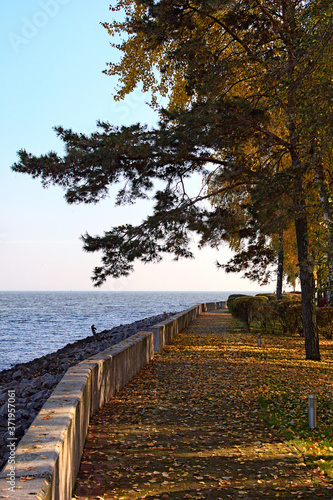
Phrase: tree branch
[230,32]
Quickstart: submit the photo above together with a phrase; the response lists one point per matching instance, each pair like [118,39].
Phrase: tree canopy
[249,107]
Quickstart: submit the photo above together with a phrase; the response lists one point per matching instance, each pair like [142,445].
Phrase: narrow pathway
[185,428]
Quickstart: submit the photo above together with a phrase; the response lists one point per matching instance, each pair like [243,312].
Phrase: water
[33,324]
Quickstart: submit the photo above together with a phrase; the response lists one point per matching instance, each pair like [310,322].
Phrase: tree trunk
[279,280]
[306,276]
[325,193]
[301,223]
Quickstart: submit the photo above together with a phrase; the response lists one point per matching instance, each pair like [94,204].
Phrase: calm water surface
[33,324]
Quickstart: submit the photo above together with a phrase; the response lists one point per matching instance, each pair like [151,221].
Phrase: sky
[52,55]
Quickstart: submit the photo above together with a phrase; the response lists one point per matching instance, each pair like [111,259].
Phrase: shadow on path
[187,427]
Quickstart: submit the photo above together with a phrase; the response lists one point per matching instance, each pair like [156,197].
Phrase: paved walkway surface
[182,429]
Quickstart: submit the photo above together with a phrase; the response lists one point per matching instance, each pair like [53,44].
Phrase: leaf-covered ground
[214,416]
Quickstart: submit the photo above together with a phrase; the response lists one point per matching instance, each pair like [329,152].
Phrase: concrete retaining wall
[213,306]
[48,456]
[164,332]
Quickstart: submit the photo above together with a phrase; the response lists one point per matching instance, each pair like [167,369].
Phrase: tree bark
[279,280]
[301,221]
[306,276]
[324,194]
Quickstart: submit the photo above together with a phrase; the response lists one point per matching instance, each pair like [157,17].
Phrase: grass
[283,381]
[215,417]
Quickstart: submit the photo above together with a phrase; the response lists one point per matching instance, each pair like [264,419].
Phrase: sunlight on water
[33,324]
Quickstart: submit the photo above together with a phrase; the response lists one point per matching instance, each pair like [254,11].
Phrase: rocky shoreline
[34,381]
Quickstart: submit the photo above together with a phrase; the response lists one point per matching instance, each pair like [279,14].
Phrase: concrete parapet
[48,456]
[213,306]
[165,331]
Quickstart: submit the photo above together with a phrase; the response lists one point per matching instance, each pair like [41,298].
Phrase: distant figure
[93,329]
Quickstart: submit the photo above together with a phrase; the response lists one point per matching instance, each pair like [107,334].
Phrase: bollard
[259,340]
[312,411]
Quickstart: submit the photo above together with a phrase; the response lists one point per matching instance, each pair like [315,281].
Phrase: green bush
[270,296]
[234,296]
[293,296]
[239,308]
[324,317]
[269,312]
[246,309]
[267,316]
[289,313]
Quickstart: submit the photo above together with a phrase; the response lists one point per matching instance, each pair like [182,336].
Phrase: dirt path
[187,427]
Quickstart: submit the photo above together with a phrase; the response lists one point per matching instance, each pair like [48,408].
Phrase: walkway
[183,429]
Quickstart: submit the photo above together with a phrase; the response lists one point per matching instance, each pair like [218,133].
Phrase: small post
[259,340]
[312,411]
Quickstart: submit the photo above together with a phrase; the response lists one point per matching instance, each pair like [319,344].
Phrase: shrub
[234,296]
[324,317]
[289,312]
[246,309]
[296,319]
[267,316]
[294,296]
[270,296]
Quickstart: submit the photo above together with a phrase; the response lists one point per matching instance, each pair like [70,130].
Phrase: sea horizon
[34,323]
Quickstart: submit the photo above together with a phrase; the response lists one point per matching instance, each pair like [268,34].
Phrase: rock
[4,410]
[3,396]
[38,396]
[24,382]
[48,381]
[41,375]
[11,385]
[16,375]
[36,382]
[23,414]
[19,432]
[34,405]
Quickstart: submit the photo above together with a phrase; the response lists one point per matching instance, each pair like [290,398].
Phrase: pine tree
[240,78]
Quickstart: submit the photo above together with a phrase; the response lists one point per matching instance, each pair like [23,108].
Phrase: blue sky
[52,56]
